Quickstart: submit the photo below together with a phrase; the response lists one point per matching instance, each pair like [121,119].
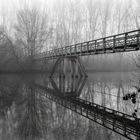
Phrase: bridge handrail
[97,39]
[101,45]
[112,110]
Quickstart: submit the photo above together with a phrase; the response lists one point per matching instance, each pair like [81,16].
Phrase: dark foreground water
[26,113]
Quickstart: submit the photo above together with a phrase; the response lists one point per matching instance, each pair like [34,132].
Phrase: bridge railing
[115,112]
[121,42]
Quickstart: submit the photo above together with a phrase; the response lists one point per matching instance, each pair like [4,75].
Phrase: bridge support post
[125,41]
[71,75]
[68,65]
[138,41]
[114,43]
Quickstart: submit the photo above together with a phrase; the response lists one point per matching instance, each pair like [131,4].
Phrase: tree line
[36,30]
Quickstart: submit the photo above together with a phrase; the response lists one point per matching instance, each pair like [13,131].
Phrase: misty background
[30,27]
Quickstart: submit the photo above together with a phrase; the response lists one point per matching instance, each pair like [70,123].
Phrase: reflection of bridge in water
[121,123]
[68,66]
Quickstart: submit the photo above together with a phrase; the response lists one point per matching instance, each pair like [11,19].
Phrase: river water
[26,114]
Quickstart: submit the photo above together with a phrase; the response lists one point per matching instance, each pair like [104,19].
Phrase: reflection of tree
[33,117]
[8,91]
[103,93]
[7,54]
[32,122]
[22,110]
[120,88]
[32,32]
[93,132]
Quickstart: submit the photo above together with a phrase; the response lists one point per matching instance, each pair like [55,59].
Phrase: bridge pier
[71,75]
[71,66]
[138,41]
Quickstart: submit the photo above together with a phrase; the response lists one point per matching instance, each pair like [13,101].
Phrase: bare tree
[6,49]
[135,11]
[92,18]
[105,16]
[32,31]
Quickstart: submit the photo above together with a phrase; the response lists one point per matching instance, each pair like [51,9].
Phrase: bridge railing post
[56,52]
[62,50]
[75,49]
[59,52]
[87,47]
[49,53]
[125,41]
[70,49]
[138,40]
[66,51]
[53,53]
[81,48]
[104,44]
[95,45]
[114,43]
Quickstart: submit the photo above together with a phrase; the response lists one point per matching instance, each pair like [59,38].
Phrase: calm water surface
[26,113]
[108,89]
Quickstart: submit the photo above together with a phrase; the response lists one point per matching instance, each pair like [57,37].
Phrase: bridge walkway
[125,42]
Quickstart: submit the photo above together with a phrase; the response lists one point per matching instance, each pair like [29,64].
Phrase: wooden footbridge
[119,122]
[128,41]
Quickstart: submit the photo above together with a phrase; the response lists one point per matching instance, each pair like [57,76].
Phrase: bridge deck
[129,41]
[121,123]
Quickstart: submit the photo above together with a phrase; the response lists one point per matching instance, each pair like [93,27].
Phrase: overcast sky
[8,8]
